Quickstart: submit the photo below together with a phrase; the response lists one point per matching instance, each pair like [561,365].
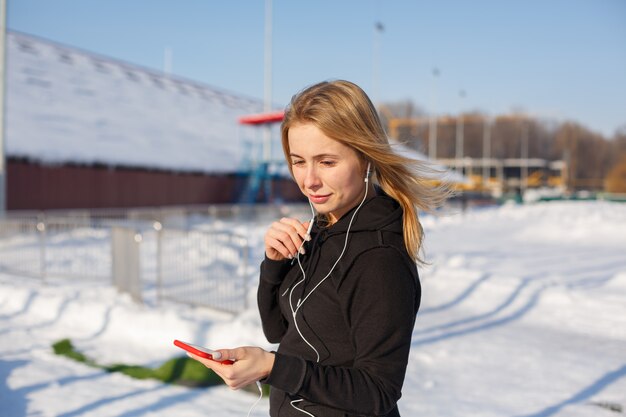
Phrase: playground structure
[263,171]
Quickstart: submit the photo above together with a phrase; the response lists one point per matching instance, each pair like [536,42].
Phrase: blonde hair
[343,112]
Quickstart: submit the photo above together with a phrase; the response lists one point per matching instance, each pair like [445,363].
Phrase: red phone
[201,351]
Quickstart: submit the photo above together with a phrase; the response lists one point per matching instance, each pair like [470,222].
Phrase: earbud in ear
[367,174]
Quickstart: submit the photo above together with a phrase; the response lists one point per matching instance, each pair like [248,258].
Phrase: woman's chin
[321,208]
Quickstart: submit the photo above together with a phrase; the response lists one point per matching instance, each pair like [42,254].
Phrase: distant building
[87,131]
[485,173]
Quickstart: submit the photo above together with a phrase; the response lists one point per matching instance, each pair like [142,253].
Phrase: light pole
[459,136]
[378,30]
[486,150]
[432,129]
[3,21]
[524,155]
[267,84]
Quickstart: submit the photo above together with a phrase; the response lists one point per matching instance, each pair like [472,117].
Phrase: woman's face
[329,173]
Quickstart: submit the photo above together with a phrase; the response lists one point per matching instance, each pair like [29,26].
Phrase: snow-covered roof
[68,105]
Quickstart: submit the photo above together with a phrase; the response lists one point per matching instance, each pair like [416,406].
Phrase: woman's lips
[319,199]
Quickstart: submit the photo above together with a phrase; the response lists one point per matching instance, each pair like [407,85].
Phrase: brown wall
[40,187]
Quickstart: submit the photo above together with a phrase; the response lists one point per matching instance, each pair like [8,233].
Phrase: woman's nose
[312,180]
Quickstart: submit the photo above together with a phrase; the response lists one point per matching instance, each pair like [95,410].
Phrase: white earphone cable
[302,301]
[345,245]
[298,409]
[258,384]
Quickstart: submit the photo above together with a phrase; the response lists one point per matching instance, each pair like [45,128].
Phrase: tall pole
[3,176]
[524,155]
[378,30]
[486,150]
[432,129]
[459,136]
[267,101]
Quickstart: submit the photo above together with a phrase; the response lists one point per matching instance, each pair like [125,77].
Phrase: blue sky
[557,59]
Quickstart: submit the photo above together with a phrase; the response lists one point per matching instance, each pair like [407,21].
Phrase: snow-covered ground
[524,314]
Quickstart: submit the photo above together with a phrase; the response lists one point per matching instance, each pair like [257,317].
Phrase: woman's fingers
[274,249]
[284,238]
[291,229]
[299,227]
[219,368]
[250,364]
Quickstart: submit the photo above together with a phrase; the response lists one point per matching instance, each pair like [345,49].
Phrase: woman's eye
[297,162]
[328,163]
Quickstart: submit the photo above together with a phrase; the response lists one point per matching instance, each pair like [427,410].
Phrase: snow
[60,99]
[522,316]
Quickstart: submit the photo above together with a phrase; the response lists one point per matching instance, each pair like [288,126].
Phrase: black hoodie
[360,319]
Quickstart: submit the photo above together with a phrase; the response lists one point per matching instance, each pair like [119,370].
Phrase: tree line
[593,161]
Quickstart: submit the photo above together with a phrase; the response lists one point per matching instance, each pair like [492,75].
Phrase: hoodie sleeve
[268,293]
[380,296]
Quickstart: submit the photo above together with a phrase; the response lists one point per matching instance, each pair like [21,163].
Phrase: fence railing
[54,247]
[154,255]
[203,268]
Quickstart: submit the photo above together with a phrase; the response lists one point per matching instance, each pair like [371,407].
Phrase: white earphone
[300,302]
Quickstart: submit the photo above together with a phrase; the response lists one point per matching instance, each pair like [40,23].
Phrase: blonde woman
[340,292]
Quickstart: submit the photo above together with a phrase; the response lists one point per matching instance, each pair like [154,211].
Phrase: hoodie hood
[380,212]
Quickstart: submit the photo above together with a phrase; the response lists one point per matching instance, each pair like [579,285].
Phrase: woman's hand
[284,238]
[251,364]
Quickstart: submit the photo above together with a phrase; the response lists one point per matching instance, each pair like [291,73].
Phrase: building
[87,131]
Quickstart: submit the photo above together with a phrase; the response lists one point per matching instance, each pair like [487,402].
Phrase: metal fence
[154,255]
[203,268]
[54,247]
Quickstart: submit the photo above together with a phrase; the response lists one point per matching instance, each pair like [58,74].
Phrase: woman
[340,292]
